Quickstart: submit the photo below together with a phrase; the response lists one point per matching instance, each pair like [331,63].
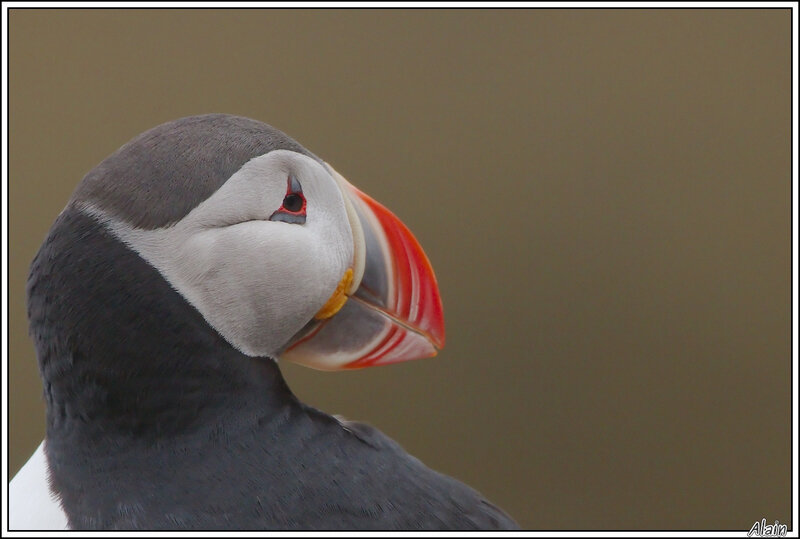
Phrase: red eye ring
[293,208]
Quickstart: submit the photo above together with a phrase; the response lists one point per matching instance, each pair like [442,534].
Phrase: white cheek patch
[257,282]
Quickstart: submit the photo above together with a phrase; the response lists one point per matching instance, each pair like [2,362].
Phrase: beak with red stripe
[386,308]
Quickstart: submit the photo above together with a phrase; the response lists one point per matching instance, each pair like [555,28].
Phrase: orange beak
[387,309]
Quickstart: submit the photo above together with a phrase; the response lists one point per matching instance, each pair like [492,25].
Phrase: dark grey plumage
[155,422]
[161,175]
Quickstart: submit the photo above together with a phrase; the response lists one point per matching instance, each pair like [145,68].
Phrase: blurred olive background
[604,195]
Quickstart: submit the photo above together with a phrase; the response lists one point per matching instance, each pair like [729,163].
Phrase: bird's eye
[293,209]
[293,202]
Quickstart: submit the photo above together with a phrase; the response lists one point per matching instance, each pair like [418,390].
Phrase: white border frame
[494,5]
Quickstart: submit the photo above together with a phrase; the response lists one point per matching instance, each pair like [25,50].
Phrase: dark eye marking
[293,209]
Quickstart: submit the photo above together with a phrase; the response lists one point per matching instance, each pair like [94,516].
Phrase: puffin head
[280,254]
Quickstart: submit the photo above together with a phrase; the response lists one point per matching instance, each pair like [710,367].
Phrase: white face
[256,281]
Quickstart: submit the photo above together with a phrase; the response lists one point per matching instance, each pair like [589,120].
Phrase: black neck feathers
[121,353]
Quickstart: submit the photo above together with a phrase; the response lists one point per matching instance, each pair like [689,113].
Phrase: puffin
[184,267]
